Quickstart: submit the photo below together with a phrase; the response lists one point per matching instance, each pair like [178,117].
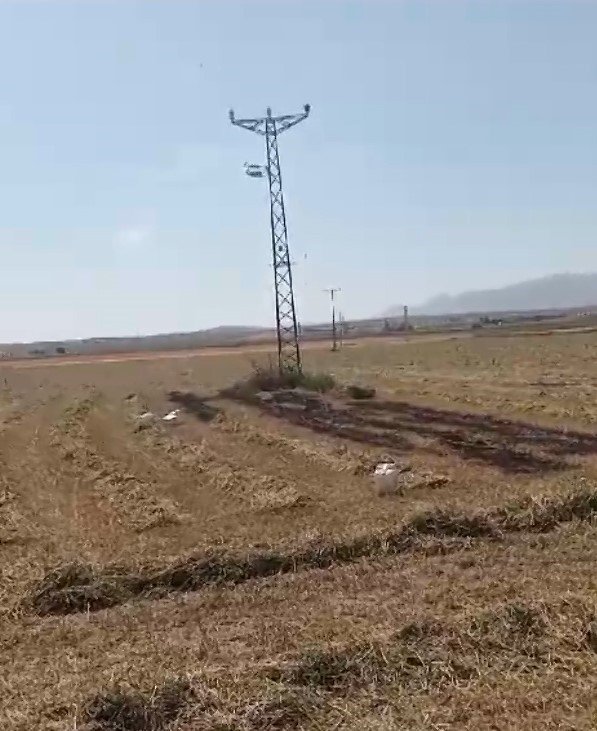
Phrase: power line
[289,354]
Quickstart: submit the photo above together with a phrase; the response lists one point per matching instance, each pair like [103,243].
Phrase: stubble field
[233,568]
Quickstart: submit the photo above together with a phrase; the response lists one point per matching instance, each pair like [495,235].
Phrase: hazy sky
[452,145]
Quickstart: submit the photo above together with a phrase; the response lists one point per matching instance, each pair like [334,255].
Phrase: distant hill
[559,291]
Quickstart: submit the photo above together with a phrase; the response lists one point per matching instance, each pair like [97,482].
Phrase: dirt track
[214,351]
[317,345]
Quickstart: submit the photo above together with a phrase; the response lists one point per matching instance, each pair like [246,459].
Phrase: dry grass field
[233,568]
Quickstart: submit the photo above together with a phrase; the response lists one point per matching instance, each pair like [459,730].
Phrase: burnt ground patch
[512,446]
[193,404]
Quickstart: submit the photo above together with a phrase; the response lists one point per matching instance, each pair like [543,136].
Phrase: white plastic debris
[385,478]
[144,420]
[172,416]
[292,407]
[147,416]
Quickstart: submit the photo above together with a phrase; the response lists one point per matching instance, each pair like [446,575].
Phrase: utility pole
[289,354]
[332,291]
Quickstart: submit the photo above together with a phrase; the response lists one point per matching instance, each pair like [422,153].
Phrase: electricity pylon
[289,354]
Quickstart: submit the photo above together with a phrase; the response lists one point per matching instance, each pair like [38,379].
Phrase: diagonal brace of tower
[289,354]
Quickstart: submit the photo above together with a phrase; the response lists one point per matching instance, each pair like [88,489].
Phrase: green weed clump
[271,379]
[268,378]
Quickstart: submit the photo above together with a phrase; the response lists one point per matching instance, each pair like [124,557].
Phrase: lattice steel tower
[289,354]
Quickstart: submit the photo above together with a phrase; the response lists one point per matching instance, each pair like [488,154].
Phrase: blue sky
[451,146]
